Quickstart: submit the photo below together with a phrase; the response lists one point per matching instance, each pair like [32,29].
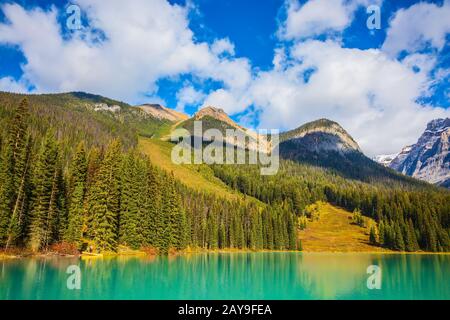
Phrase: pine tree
[130,232]
[373,235]
[410,237]
[172,229]
[399,243]
[19,218]
[14,165]
[153,206]
[104,206]
[292,232]
[78,172]
[44,219]
[382,233]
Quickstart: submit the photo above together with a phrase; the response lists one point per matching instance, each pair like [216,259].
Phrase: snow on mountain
[385,159]
[429,158]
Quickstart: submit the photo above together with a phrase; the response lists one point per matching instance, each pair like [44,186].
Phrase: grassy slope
[334,232]
[198,177]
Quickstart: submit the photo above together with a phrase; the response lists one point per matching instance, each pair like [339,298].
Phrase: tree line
[104,196]
[409,217]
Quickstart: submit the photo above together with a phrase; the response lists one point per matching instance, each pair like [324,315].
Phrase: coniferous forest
[73,176]
[103,194]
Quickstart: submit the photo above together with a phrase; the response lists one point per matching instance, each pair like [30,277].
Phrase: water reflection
[230,276]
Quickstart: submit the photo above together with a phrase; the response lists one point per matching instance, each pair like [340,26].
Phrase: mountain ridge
[162,113]
[322,129]
[429,158]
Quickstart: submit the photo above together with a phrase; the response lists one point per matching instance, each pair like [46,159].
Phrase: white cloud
[368,93]
[230,101]
[188,96]
[139,48]
[9,84]
[317,17]
[221,46]
[413,28]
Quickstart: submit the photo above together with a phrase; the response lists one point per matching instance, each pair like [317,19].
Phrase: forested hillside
[410,216]
[60,184]
[73,174]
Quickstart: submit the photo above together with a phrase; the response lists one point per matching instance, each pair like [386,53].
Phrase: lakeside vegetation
[73,179]
[112,195]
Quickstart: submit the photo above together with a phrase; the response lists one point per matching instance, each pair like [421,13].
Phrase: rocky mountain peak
[162,113]
[322,134]
[429,158]
[438,125]
[216,113]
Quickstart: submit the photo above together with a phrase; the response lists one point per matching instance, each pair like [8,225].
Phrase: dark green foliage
[104,206]
[106,194]
[373,235]
[44,224]
[78,180]
[14,177]
[411,216]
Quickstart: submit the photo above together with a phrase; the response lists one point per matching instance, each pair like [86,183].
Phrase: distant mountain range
[319,161]
[429,158]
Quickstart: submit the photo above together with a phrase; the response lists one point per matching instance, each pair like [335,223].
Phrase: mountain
[240,207]
[217,114]
[322,135]
[216,118]
[77,116]
[385,159]
[429,158]
[162,113]
[326,144]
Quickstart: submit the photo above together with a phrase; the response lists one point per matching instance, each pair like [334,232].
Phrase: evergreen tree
[78,172]
[131,217]
[19,217]
[44,214]
[152,207]
[104,206]
[373,235]
[13,172]
[399,243]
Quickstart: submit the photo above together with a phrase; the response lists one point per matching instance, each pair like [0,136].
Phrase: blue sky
[269,64]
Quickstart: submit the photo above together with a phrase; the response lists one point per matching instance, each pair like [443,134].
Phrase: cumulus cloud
[126,49]
[317,17]
[229,101]
[221,46]
[367,92]
[9,84]
[121,54]
[412,29]
[188,96]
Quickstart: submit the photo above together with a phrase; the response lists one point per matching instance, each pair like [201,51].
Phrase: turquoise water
[230,276]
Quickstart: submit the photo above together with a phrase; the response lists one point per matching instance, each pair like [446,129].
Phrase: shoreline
[4,256]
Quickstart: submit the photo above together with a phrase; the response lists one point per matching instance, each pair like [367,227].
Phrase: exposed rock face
[429,158]
[385,159]
[105,107]
[322,135]
[216,118]
[162,113]
[400,158]
[217,114]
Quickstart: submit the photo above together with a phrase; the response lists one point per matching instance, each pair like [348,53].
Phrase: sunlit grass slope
[198,177]
[335,232]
